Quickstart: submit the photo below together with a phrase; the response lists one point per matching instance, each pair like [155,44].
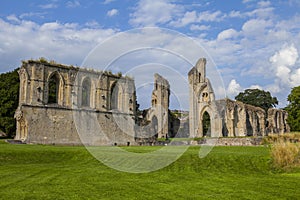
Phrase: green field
[62,172]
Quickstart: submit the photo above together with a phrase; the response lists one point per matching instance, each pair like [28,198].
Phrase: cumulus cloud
[286,56]
[65,43]
[195,17]
[264,3]
[255,27]
[227,34]
[283,63]
[112,12]
[233,88]
[188,18]
[154,12]
[195,27]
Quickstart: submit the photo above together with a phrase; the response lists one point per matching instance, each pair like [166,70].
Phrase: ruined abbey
[228,118]
[62,104]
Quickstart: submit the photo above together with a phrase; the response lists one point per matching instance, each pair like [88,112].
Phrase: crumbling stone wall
[102,95]
[228,118]
[158,114]
[57,102]
[202,99]
[277,121]
[243,119]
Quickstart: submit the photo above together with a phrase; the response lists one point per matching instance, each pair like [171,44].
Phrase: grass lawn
[62,172]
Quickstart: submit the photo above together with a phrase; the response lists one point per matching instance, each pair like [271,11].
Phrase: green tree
[293,109]
[259,98]
[9,99]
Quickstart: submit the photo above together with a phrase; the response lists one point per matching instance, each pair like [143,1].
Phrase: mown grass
[62,172]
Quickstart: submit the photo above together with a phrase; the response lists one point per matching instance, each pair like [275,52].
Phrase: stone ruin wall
[156,121]
[106,97]
[228,118]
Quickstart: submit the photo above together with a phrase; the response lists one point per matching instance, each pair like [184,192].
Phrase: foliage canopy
[257,97]
[293,109]
[9,99]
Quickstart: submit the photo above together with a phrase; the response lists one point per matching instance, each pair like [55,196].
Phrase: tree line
[9,99]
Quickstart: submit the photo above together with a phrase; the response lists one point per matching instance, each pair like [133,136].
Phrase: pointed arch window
[53,89]
[115,97]
[86,92]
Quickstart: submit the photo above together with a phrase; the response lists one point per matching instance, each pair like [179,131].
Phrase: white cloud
[234,88]
[194,17]
[256,27]
[65,43]
[92,24]
[108,1]
[295,78]
[188,18]
[283,62]
[227,34]
[194,27]
[154,12]
[13,18]
[258,13]
[264,3]
[211,16]
[32,14]
[256,87]
[235,14]
[73,4]
[247,1]
[112,12]
[261,13]
[287,56]
[48,6]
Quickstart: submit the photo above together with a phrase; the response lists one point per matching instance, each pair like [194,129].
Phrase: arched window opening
[206,126]
[199,78]
[249,125]
[53,86]
[114,97]
[86,92]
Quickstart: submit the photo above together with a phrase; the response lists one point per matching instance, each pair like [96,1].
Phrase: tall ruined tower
[202,102]
[158,114]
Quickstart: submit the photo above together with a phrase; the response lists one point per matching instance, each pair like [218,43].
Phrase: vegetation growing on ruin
[61,172]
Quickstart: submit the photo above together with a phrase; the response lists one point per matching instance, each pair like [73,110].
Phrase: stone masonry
[62,104]
[228,117]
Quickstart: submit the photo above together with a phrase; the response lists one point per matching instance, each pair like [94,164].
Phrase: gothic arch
[86,91]
[209,111]
[115,95]
[55,88]
[24,77]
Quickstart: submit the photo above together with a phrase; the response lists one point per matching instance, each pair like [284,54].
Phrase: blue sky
[254,44]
